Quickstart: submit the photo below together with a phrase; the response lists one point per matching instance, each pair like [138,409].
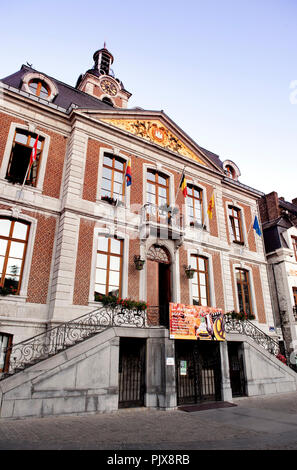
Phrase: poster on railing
[196,322]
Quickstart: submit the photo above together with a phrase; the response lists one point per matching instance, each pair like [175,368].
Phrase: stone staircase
[65,335]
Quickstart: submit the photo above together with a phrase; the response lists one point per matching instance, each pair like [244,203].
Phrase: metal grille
[237,375]
[200,378]
[131,372]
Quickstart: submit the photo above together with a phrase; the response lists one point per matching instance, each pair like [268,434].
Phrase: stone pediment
[153,130]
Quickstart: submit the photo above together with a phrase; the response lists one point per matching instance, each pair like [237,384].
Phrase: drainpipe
[279,310]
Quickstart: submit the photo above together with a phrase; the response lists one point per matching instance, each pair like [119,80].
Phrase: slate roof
[68,95]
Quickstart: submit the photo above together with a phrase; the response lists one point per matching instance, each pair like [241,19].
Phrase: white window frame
[115,153]
[252,288]
[109,233]
[21,297]
[243,225]
[212,297]
[39,76]
[204,204]
[42,164]
[158,168]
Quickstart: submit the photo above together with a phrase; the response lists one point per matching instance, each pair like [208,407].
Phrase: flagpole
[26,175]
[247,237]
[33,157]
[179,185]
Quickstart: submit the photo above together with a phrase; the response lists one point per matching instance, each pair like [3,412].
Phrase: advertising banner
[196,322]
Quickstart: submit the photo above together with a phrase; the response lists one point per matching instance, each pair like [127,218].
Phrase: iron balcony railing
[246,327]
[168,216]
[61,337]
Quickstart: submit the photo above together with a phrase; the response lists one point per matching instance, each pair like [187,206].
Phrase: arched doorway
[158,284]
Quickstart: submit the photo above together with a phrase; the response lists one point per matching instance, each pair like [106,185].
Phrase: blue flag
[256,226]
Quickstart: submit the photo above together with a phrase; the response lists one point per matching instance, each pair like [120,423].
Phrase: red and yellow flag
[211,206]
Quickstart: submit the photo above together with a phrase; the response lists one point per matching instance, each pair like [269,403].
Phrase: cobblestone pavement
[256,423]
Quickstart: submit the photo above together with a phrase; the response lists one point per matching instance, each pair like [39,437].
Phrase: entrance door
[131,372]
[158,285]
[237,375]
[198,371]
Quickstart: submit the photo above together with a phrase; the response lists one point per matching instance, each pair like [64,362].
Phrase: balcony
[164,222]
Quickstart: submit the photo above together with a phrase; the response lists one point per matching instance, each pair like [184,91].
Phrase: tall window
[194,205]
[294,243]
[113,177]
[20,158]
[200,281]
[157,188]
[5,342]
[236,224]
[13,244]
[109,265]
[39,88]
[243,291]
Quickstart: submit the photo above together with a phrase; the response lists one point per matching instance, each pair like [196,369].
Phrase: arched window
[13,244]
[107,101]
[39,88]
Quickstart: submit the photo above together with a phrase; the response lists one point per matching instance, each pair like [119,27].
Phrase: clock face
[108,87]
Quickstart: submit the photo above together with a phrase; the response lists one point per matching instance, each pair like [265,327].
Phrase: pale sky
[221,69]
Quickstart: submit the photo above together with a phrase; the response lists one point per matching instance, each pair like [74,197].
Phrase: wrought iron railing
[246,327]
[59,338]
[163,215]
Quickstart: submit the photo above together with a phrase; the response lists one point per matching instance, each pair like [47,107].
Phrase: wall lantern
[189,272]
[139,263]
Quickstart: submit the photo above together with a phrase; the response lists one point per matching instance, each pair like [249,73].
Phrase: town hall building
[116,210]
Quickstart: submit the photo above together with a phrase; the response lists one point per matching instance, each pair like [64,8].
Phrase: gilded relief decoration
[154,131]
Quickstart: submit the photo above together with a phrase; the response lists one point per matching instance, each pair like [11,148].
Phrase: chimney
[294,201]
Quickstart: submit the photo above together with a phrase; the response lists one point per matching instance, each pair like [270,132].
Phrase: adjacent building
[279,221]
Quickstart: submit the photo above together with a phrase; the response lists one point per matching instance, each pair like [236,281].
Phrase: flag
[129,173]
[34,152]
[256,226]
[210,206]
[183,185]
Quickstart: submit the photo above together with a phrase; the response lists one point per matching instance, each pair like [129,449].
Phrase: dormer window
[107,101]
[230,172]
[39,85]
[39,88]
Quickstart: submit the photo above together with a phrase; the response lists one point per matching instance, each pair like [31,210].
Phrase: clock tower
[101,83]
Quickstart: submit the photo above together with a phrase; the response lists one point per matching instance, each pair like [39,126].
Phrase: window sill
[121,205]
[14,298]
[18,186]
[238,243]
